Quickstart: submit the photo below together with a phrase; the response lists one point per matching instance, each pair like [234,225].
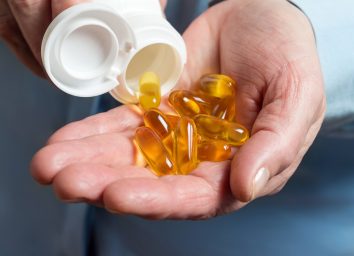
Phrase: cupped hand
[269,48]
[24,22]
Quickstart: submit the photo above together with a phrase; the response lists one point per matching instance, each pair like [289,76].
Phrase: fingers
[37,14]
[118,120]
[33,18]
[12,35]
[164,198]
[86,182]
[110,149]
[82,173]
[173,197]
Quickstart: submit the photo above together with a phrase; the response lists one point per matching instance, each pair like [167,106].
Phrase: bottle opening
[162,59]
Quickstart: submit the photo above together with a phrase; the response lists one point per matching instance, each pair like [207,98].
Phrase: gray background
[30,110]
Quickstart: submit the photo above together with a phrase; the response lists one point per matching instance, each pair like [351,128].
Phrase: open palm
[269,48]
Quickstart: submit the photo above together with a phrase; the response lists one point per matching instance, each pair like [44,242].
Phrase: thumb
[283,131]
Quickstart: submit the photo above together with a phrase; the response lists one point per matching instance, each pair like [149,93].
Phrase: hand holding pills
[269,48]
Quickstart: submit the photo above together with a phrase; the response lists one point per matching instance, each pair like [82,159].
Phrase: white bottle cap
[91,49]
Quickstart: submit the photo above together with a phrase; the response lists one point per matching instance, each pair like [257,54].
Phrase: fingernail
[260,181]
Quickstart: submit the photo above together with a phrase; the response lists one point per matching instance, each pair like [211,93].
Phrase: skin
[269,48]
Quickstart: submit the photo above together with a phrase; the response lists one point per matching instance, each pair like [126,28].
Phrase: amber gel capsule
[186,146]
[157,121]
[213,151]
[225,108]
[218,129]
[217,85]
[154,152]
[190,104]
[161,124]
[173,120]
[149,91]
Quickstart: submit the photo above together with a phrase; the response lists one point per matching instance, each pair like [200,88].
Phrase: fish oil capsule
[225,108]
[214,128]
[169,140]
[161,125]
[217,85]
[173,120]
[157,121]
[190,104]
[186,146]
[149,91]
[154,152]
[213,151]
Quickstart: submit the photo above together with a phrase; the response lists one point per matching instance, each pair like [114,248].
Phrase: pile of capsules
[203,130]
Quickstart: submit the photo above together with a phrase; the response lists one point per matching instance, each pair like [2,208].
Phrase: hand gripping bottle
[107,45]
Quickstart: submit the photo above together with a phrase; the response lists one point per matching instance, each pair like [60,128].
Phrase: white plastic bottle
[106,45]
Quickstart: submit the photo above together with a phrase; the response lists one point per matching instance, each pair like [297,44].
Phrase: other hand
[24,22]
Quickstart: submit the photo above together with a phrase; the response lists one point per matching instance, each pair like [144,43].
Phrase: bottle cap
[90,49]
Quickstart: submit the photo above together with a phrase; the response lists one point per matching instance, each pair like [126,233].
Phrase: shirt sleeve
[333,23]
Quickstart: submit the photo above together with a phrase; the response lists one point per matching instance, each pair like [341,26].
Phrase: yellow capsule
[154,152]
[157,121]
[161,125]
[214,128]
[214,151]
[190,104]
[173,120]
[169,140]
[185,146]
[149,91]
[217,85]
[225,108]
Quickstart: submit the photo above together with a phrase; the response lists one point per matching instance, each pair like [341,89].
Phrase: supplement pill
[225,108]
[213,151]
[214,128]
[217,85]
[161,125]
[149,91]
[186,146]
[173,120]
[157,121]
[190,104]
[154,152]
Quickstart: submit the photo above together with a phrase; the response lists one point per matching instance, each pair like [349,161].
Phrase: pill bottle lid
[86,48]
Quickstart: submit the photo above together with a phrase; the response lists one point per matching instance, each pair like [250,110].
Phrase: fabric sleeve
[333,23]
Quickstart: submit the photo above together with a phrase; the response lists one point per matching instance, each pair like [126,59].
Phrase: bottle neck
[140,6]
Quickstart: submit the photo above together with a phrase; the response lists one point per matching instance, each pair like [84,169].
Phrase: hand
[24,22]
[269,48]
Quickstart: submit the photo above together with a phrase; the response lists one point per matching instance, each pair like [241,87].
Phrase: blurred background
[318,202]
